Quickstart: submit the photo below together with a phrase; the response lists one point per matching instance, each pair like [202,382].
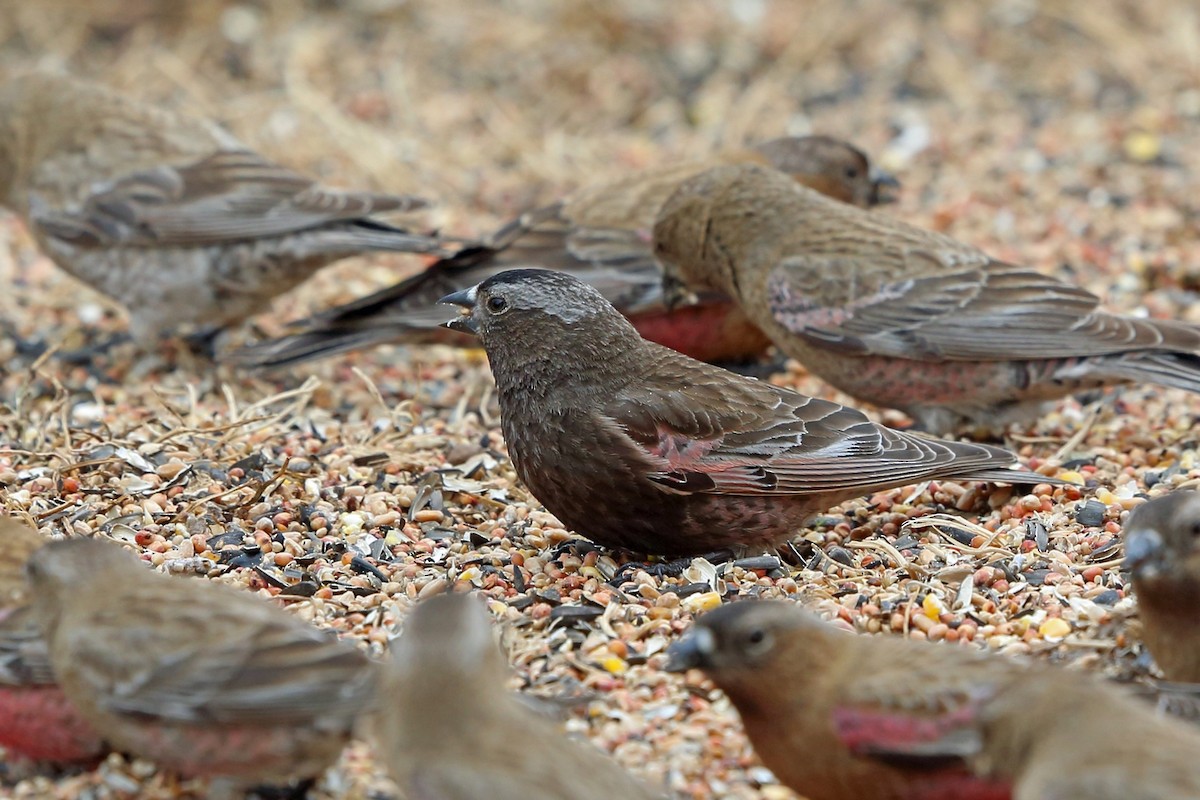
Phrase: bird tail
[1176,370]
[372,235]
[404,313]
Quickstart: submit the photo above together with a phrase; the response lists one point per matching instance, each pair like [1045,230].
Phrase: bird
[205,680]
[448,729]
[1162,553]
[839,716]
[37,721]
[638,447]
[168,214]
[601,235]
[899,316]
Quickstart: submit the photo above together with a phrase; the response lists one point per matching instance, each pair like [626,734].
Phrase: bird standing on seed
[838,716]
[36,719]
[636,446]
[199,677]
[447,729]
[899,316]
[1162,552]
[168,214]
[601,235]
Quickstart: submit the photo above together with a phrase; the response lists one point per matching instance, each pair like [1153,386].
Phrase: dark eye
[497,304]
[757,636]
[851,172]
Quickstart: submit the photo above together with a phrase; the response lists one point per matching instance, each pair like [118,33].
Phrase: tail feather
[1176,370]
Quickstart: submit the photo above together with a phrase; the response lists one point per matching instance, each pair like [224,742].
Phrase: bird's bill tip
[463,297]
[692,652]
[464,323]
[1143,548]
[676,294]
[885,186]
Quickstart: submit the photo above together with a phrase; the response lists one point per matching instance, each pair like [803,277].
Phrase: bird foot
[295,791]
[667,569]
[82,356]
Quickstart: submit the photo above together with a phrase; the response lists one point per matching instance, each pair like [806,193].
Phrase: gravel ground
[1059,134]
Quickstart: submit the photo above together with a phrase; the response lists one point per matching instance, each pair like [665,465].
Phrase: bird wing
[932,718]
[951,306]
[232,194]
[259,666]
[24,653]
[701,429]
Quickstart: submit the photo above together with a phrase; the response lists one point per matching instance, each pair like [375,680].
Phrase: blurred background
[1009,122]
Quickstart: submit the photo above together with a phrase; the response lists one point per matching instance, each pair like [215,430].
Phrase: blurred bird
[448,729]
[636,446]
[168,214]
[201,678]
[36,719]
[842,717]
[1162,552]
[601,235]
[899,316]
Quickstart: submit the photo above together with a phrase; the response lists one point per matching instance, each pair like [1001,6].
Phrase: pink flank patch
[38,722]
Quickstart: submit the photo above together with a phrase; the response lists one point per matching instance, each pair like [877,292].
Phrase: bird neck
[579,369]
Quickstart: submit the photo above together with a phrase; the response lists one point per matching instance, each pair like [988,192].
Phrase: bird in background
[448,729]
[636,446]
[1162,553]
[601,235]
[203,679]
[899,316]
[168,214]
[37,721]
[839,716]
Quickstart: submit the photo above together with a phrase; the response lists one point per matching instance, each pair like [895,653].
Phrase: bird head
[832,167]
[745,635]
[1162,539]
[527,317]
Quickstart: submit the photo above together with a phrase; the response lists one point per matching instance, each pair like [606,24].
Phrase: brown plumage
[637,446]
[447,728]
[1162,552]
[900,316]
[601,235]
[36,719]
[838,716]
[168,214]
[204,679]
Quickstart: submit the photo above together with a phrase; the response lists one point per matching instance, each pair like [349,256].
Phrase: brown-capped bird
[205,680]
[447,728]
[637,446]
[601,235]
[843,717]
[900,316]
[1162,552]
[168,214]
[36,719]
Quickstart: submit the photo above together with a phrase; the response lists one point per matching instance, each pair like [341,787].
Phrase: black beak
[884,187]
[1143,550]
[691,652]
[463,322]
[675,293]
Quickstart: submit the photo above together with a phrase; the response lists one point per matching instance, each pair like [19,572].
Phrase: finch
[36,719]
[838,716]
[601,235]
[639,447]
[1162,552]
[199,677]
[899,316]
[448,729]
[168,214]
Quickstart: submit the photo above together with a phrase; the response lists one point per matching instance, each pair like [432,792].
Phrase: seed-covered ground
[1059,134]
